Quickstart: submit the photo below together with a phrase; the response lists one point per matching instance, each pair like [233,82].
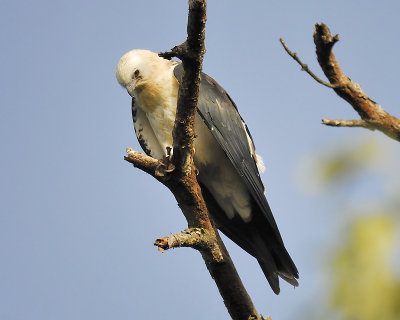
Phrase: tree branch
[373,116]
[196,238]
[305,67]
[349,123]
[181,179]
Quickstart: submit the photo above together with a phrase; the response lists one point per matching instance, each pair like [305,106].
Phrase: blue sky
[77,222]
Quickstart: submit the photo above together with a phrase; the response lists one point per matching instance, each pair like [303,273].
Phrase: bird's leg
[165,166]
[169,149]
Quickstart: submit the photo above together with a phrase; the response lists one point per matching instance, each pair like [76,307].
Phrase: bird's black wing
[221,116]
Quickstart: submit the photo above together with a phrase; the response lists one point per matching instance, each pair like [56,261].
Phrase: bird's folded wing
[221,116]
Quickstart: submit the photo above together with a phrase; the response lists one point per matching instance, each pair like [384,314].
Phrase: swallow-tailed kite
[224,155]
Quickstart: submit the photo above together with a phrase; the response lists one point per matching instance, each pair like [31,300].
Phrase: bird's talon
[164,168]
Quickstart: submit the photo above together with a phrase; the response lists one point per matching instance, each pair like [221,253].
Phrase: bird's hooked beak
[131,87]
[134,83]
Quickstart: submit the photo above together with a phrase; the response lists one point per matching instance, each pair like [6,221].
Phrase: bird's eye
[136,73]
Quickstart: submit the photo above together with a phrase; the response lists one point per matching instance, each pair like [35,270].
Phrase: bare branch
[177,51]
[141,161]
[195,238]
[305,67]
[349,123]
[372,115]
[159,169]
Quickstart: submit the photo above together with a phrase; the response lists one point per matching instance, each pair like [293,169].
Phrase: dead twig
[373,116]
[305,67]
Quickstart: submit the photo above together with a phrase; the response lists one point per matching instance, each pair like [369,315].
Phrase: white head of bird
[139,67]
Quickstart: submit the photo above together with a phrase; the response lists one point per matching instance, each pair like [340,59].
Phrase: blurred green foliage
[334,166]
[364,283]
[365,286]
[347,162]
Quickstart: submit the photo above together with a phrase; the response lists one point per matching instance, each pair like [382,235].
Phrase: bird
[224,155]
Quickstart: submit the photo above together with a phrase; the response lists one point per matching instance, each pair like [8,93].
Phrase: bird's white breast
[158,103]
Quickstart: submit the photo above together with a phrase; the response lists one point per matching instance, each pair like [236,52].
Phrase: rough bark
[178,173]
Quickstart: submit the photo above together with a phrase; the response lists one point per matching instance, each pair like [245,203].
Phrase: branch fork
[373,116]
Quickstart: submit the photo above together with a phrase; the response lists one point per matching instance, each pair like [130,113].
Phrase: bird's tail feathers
[287,272]
[271,275]
[286,268]
[288,278]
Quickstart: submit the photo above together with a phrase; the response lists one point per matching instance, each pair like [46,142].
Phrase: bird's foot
[165,166]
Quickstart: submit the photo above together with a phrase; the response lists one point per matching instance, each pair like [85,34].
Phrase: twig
[349,123]
[196,238]
[141,161]
[304,67]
